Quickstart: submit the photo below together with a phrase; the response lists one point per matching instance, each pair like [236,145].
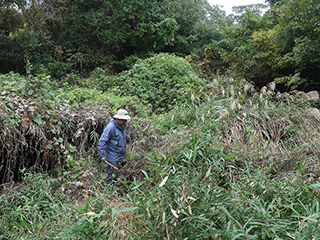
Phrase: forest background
[62,38]
[224,142]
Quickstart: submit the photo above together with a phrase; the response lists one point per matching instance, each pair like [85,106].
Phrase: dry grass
[272,130]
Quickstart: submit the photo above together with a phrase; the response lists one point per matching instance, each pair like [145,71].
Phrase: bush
[163,81]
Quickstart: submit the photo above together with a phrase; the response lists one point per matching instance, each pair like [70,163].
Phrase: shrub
[162,80]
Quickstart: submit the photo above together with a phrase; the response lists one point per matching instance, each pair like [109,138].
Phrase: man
[112,143]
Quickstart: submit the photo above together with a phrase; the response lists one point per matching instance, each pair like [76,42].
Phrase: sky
[228,4]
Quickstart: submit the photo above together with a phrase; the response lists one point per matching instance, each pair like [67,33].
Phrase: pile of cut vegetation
[42,132]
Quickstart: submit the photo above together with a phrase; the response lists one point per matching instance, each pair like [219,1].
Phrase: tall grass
[32,209]
[205,193]
[39,208]
[249,171]
[229,169]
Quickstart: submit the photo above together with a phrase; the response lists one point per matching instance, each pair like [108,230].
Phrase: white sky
[228,4]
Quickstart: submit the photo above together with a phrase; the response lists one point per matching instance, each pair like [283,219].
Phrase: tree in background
[272,3]
[113,30]
[63,36]
[276,46]
[198,24]
[298,36]
[95,33]
[248,49]
[23,34]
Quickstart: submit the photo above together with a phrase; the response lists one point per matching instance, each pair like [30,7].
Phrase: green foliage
[84,95]
[194,198]
[234,165]
[249,48]
[60,38]
[298,36]
[25,38]
[40,208]
[208,61]
[64,37]
[197,24]
[209,189]
[32,209]
[96,33]
[104,79]
[162,81]
[11,58]
[292,82]
[256,8]
[34,103]
[221,169]
[109,100]
[38,88]
[276,45]
[272,2]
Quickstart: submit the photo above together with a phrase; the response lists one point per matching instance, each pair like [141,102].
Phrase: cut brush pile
[42,136]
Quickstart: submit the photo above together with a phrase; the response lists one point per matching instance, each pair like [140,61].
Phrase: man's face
[121,122]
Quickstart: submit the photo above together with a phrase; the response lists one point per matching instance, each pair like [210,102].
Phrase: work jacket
[112,143]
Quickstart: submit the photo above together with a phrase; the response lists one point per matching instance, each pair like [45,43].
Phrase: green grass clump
[42,207]
[32,209]
[204,192]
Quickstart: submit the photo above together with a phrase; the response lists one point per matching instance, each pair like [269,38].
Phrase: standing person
[112,143]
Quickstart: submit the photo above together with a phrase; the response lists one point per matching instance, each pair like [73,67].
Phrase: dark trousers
[112,171]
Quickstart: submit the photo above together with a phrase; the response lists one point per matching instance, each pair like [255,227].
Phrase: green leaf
[116,211]
[70,147]
[54,114]
[10,105]
[146,174]
[314,186]
[44,225]
[30,92]
[208,173]
[37,119]
[139,184]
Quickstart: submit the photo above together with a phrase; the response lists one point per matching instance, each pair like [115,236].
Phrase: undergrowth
[237,164]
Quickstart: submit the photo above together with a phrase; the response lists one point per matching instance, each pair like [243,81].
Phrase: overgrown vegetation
[236,164]
[210,155]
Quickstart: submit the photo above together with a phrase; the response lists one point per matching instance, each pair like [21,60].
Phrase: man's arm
[103,141]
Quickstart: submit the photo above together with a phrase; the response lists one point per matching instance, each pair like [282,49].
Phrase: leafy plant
[33,208]
[221,168]
[162,81]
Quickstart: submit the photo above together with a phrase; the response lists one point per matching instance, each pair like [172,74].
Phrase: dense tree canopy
[81,35]
[298,36]
[64,36]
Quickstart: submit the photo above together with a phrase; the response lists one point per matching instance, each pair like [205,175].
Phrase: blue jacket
[112,143]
